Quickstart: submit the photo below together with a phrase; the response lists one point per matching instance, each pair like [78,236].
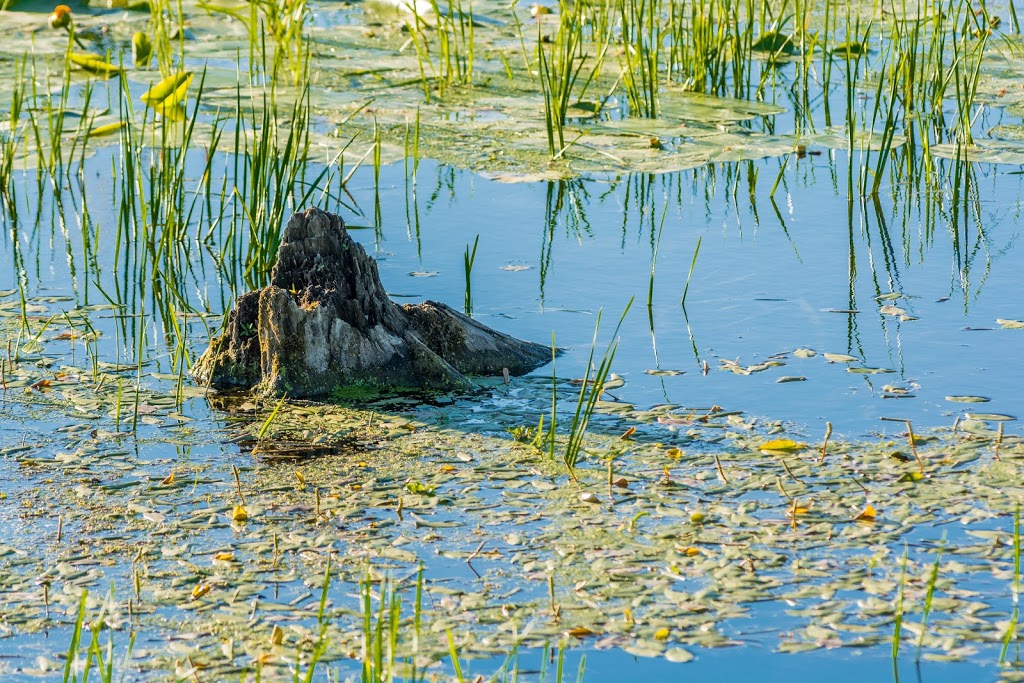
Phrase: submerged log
[325,323]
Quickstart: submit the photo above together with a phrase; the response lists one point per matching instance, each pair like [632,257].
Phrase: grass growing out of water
[103,657]
[590,393]
[933,577]
[560,68]
[640,56]
[467,263]
[1011,629]
[897,630]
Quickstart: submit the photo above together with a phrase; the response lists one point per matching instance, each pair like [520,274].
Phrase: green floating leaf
[851,48]
[968,399]
[94,64]
[791,378]
[168,96]
[870,371]
[990,417]
[774,42]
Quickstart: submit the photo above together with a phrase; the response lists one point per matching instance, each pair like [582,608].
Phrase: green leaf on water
[840,358]
[990,417]
[774,42]
[791,378]
[851,48]
[968,399]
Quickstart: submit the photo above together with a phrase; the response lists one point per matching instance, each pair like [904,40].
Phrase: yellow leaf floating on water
[628,433]
[276,636]
[168,96]
[168,480]
[580,632]
[224,557]
[200,590]
[781,446]
[661,634]
[691,551]
[795,510]
[674,453]
[107,129]
[239,514]
[94,64]
[868,515]
[301,477]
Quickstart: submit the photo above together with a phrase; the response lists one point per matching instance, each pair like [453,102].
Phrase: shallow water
[708,554]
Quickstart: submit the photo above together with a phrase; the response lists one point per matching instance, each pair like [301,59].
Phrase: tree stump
[325,323]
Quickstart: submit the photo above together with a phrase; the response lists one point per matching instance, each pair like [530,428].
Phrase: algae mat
[269,539]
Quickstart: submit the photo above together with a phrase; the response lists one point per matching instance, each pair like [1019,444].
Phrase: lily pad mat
[686,525]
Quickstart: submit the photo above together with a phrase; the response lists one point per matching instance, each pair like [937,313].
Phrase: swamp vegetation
[829,188]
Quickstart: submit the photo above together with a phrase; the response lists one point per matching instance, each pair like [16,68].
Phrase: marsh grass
[897,629]
[94,651]
[1010,634]
[641,55]
[591,391]
[467,264]
[455,50]
[560,69]
[933,577]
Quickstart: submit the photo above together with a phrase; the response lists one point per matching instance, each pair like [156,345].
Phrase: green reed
[560,69]
[467,263]
[591,391]
[897,631]
[640,56]
[1011,628]
[933,577]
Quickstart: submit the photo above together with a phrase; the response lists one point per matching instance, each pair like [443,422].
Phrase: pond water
[749,500]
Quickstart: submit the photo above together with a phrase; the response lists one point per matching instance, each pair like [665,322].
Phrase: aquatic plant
[591,390]
[560,68]
[467,265]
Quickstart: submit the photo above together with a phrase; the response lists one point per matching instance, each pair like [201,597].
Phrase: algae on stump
[325,322]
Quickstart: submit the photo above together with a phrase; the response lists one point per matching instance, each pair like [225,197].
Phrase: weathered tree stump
[325,323]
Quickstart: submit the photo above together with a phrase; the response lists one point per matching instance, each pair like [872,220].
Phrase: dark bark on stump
[325,322]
